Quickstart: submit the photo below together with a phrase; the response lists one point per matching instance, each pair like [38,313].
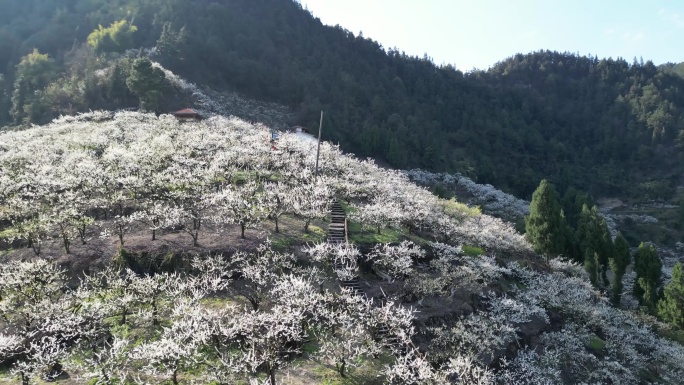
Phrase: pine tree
[171,44]
[146,82]
[592,233]
[648,268]
[671,307]
[591,266]
[618,264]
[545,226]
[607,250]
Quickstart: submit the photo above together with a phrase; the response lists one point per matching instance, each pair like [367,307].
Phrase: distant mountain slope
[605,126]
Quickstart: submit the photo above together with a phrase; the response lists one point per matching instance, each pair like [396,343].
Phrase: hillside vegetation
[608,126]
[455,296]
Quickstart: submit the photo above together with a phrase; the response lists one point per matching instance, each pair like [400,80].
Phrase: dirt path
[608,204]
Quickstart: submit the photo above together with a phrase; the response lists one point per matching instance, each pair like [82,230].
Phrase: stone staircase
[384,335]
[337,231]
[337,234]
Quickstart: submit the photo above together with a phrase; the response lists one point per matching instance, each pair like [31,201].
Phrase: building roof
[186,112]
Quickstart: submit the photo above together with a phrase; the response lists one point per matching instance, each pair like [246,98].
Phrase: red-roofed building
[187,114]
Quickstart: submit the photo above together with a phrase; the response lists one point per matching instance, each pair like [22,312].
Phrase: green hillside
[606,126]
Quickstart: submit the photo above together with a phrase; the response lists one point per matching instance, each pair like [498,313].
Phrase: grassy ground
[309,372]
[292,233]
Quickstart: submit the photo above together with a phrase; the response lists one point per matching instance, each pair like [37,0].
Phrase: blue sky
[478,33]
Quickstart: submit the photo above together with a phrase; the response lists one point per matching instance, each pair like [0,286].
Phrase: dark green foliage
[150,263]
[592,234]
[679,224]
[545,227]
[618,264]
[671,306]
[601,125]
[573,201]
[648,268]
[4,100]
[675,68]
[591,265]
[117,91]
[118,37]
[171,46]
[146,82]
[656,190]
[34,73]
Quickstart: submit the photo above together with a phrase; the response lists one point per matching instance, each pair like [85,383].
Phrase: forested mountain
[606,126]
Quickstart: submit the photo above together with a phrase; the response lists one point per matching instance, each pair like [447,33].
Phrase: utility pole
[318,150]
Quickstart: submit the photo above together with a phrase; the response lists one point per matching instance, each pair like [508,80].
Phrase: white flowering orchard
[251,315]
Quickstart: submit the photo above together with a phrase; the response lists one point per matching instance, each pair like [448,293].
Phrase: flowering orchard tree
[382,212]
[153,290]
[396,323]
[411,369]
[157,215]
[261,340]
[311,201]
[261,270]
[277,201]
[178,347]
[69,219]
[344,333]
[451,271]
[40,319]
[494,201]
[114,289]
[29,222]
[395,261]
[342,258]
[109,364]
[243,205]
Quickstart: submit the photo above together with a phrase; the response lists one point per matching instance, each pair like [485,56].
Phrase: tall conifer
[618,264]
[648,268]
[671,307]
[545,227]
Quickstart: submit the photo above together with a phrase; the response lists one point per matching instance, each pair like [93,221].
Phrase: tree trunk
[254,302]
[36,247]
[242,230]
[276,223]
[306,226]
[155,223]
[155,313]
[341,368]
[175,377]
[271,374]
[121,234]
[81,233]
[65,238]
